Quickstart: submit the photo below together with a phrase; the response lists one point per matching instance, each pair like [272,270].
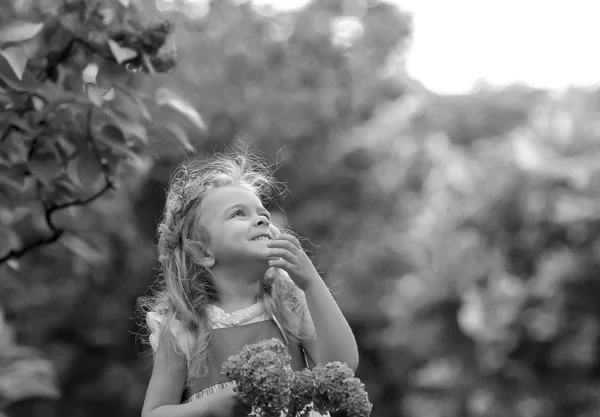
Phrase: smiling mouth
[262,237]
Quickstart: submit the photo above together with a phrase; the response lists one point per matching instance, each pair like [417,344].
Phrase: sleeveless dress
[231,332]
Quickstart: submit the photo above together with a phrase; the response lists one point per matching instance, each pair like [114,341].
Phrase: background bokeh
[458,232]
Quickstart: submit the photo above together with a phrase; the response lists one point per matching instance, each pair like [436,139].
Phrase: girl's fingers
[280,263]
[282,253]
[284,244]
[289,238]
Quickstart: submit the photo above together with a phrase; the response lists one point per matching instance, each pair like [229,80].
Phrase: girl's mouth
[262,237]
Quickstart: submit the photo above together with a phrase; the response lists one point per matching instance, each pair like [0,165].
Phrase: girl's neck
[236,290]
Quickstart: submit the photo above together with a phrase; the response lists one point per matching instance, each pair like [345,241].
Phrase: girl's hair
[185,286]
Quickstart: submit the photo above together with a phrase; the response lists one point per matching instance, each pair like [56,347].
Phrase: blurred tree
[483,114]
[72,127]
[504,295]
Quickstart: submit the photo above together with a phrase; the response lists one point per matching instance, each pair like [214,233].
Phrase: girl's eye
[267,215]
[235,214]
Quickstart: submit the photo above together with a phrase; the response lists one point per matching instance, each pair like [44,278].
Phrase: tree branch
[50,209]
[8,131]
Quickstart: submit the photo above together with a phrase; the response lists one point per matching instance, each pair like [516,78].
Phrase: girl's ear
[207,259]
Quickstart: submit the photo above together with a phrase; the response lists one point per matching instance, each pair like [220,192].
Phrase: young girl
[230,278]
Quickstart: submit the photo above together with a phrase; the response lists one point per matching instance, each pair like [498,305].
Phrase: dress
[231,332]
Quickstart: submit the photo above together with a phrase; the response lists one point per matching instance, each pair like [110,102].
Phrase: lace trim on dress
[218,316]
[209,391]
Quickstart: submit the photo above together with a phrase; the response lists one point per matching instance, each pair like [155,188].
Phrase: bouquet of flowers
[263,376]
[265,381]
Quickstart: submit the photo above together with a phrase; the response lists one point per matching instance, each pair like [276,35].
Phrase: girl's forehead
[221,198]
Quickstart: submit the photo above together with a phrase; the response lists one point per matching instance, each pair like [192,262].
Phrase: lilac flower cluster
[302,393]
[336,388]
[265,380]
[263,376]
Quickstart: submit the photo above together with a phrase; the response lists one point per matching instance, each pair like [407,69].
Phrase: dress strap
[287,342]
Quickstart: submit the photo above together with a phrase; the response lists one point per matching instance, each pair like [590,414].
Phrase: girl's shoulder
[159,323]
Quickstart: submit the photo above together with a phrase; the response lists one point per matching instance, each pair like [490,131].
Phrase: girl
[230,278]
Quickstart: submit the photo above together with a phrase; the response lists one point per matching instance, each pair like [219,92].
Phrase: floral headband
[187,186]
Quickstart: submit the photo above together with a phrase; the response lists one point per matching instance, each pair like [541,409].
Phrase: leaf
[17,59]
[67,148]
[132,130]
[90,73]
[14,264]
[121,53]
[31,47]
[37,102]
[18,31]
[94,94]
[66,113]
[50,7]
[26,83]
[13,176]
[63,189]
[129,104]
[6,101]
[9,240]
[86,170]
[164,97]
[180,135]
[140,103]
[108,16]
[109,95]
[13,150]
[10,118]
[44,163]
[30,376]
[82,249]
[188,111]
[113,137]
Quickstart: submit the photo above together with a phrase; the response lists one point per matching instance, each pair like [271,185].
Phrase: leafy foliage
[495,310]
[70,116]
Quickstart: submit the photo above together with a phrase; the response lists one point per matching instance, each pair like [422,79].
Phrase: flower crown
[192,181]
[186,187]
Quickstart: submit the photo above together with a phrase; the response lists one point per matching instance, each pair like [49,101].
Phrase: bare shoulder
[168,377]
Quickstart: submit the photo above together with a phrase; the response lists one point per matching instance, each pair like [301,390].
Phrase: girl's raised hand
[225,403]
[285,252]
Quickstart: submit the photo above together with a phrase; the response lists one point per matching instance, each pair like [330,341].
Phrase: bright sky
[549,44]
[544,43]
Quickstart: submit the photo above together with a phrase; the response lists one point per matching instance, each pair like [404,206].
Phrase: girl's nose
[263,221]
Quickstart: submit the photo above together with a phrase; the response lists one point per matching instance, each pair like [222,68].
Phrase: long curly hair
[185,287]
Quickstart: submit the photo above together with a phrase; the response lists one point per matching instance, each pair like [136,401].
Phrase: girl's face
[238,225]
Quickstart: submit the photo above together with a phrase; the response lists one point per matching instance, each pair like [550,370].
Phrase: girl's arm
[165,389]
[334,340]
